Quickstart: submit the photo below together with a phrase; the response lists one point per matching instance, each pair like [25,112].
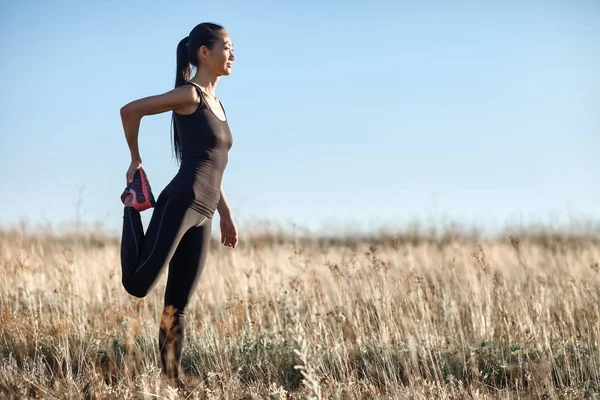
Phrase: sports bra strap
[201,94]
[197,88]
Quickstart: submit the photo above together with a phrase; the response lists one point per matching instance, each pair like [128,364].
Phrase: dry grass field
[407,316]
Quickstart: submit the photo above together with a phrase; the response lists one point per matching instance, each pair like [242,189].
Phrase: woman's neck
[206,80]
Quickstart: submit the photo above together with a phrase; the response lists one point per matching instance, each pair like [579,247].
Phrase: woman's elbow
[126,111]
[130,110]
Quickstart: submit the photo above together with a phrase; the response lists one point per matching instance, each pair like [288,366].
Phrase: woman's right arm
[132,114]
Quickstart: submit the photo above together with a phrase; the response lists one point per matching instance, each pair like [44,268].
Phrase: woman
[179,231]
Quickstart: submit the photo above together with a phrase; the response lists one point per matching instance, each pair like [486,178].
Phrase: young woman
[179,231]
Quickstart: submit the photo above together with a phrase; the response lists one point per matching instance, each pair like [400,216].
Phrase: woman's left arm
[228,228]
[223,206]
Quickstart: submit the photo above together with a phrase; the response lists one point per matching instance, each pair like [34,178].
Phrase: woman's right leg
[143,257]
[185,270]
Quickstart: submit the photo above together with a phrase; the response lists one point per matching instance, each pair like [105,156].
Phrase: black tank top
[205,142]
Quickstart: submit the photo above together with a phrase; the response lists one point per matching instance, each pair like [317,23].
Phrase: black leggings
[178,236]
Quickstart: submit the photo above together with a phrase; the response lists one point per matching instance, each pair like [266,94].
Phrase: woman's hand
[134,166]
[228,231]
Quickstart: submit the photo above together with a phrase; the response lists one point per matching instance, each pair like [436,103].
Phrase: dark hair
[204,34]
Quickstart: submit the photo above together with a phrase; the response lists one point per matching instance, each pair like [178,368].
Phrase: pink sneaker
[143,198]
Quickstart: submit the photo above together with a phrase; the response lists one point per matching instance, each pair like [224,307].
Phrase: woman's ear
[203,52]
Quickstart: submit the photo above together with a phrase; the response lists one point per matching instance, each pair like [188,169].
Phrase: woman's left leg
[185,270]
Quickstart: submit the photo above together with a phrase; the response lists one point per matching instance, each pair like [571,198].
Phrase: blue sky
[367,114]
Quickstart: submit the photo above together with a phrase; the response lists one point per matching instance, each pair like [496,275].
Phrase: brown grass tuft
[410,316]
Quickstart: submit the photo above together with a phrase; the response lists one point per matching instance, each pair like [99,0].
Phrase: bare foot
[176,383]
[179,384]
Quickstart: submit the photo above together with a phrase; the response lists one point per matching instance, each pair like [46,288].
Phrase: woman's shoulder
[195,100]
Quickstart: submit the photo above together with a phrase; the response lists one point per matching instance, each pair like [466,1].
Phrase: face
[220,59]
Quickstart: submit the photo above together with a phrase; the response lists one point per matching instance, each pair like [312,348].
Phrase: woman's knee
[134,288]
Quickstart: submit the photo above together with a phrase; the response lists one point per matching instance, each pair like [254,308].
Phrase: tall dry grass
[412,316]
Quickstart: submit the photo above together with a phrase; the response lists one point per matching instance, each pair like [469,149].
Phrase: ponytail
[182,75]
[183,62]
